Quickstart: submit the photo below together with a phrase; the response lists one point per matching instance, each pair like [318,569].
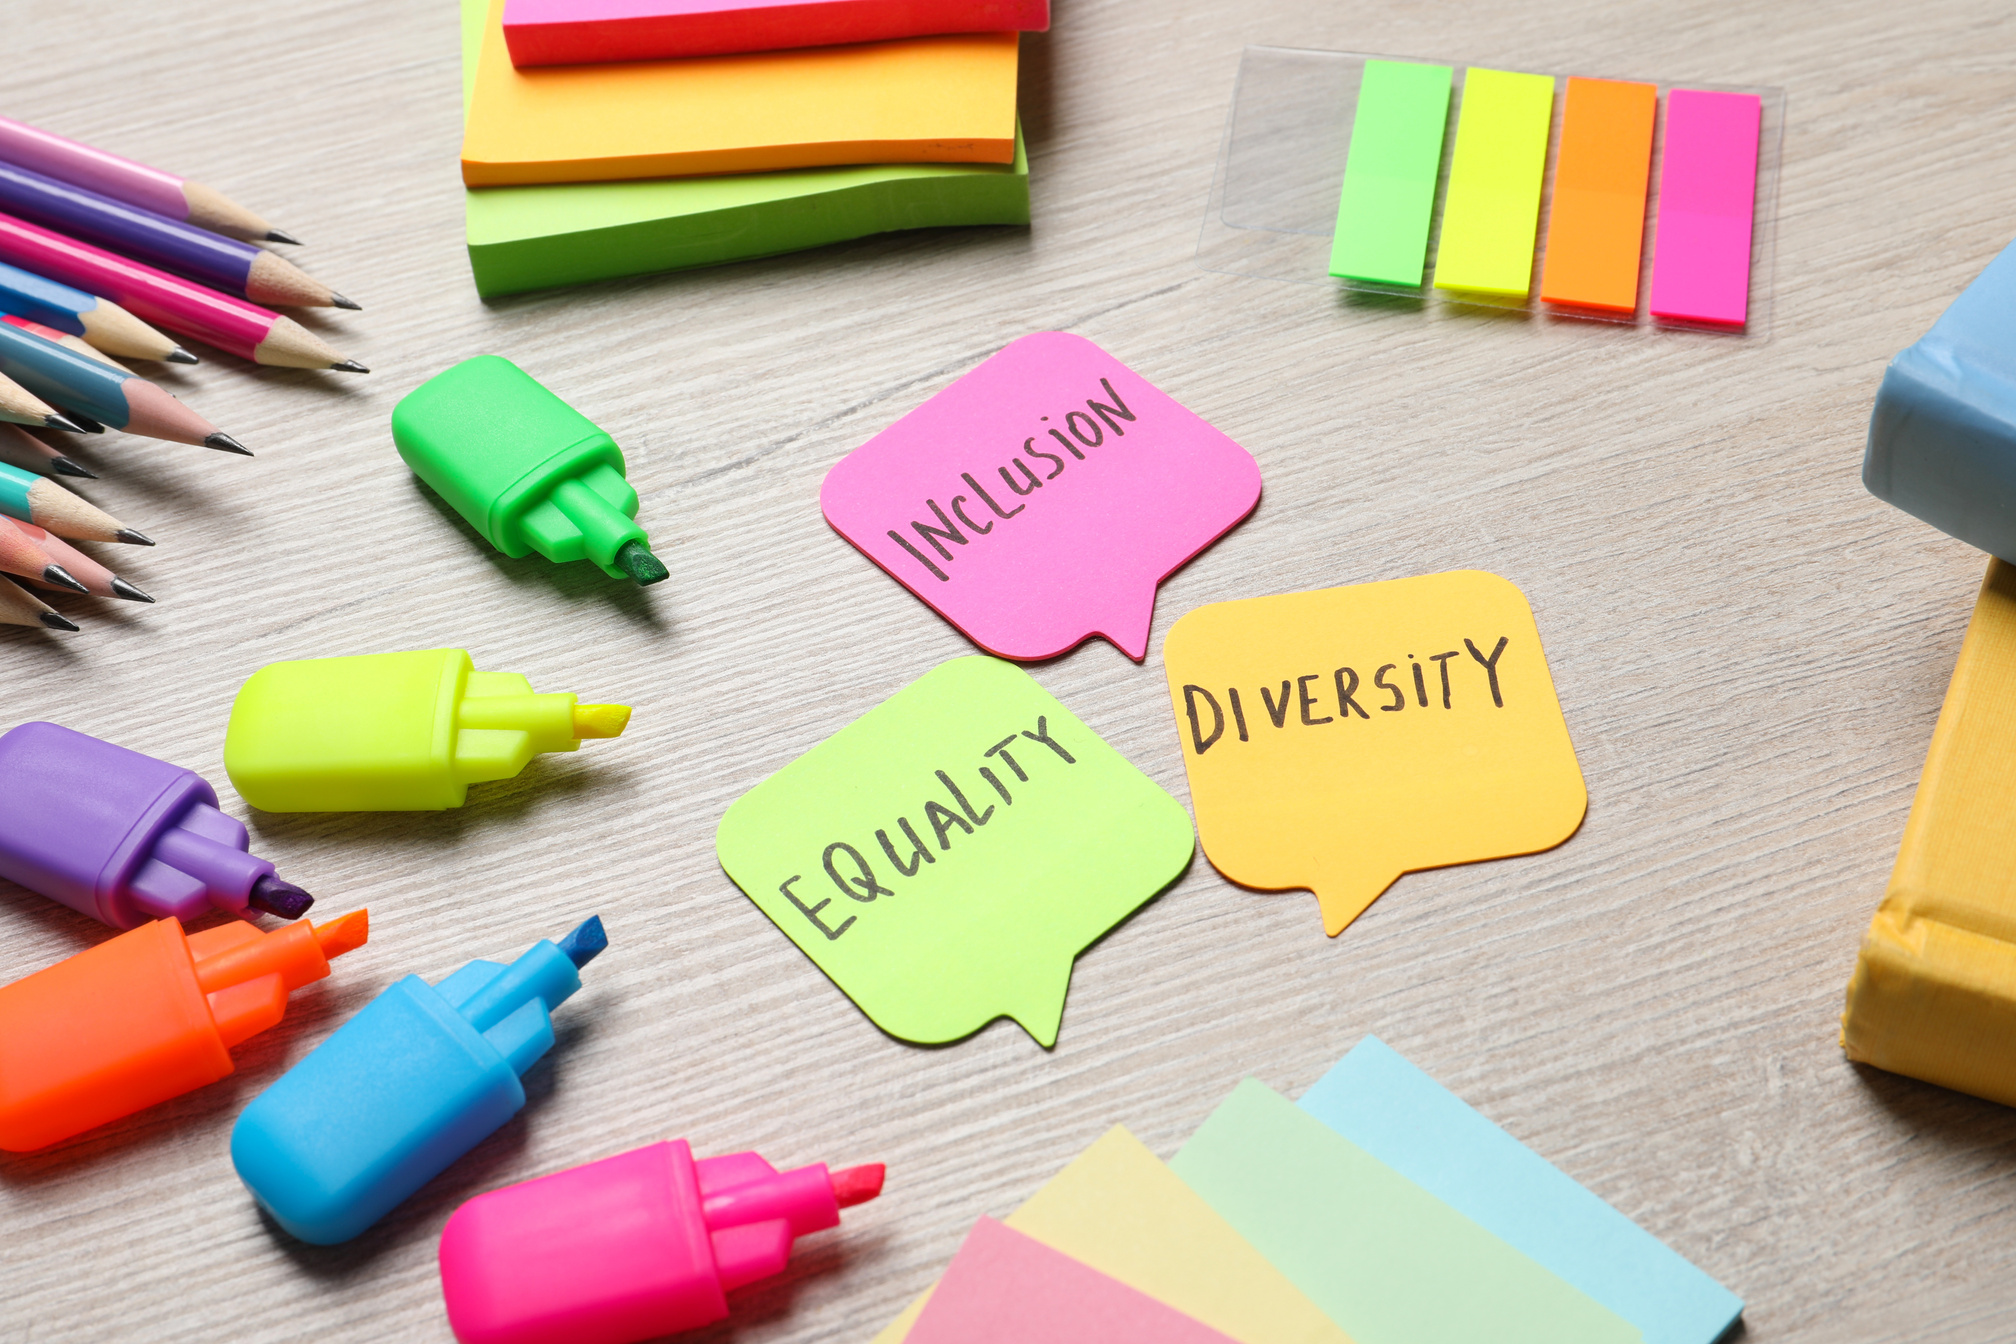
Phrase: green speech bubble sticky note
[946,856]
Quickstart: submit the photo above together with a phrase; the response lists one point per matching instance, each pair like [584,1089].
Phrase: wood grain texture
[1749,648]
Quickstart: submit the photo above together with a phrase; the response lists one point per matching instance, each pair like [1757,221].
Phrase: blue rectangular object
[1942,439]
[1407,1120]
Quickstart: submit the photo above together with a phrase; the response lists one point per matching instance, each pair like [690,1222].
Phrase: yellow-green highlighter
[528,471]
[393,732]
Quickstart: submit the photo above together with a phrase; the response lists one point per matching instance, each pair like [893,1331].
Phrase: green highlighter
[528,471]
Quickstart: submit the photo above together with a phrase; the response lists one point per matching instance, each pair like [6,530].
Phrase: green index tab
[1384,1259]
[1493,207]
[1389,173]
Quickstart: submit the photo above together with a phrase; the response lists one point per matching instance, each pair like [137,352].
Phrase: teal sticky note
[1384,1259]
[1413,1124]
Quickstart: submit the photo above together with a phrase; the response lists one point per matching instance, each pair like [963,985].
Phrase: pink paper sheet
[1006,1288]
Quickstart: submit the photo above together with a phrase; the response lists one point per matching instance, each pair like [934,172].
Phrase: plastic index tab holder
[1388,197]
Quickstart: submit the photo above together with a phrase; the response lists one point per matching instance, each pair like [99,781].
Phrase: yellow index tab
[1492,210]
[1339,738]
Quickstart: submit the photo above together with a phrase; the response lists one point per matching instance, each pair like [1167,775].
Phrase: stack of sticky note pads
[619,137]
[1380,1210]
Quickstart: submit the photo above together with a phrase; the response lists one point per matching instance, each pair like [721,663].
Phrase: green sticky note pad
[1492,210]
[1395,154]
[1384,1259]
[946,856]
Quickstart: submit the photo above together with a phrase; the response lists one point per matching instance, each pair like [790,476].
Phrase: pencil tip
[180,356]
[57,621]
[282,236]
[121,588]
[62,578]
[224,443]
[58,420]
[349,366]
[132,538]
[64,466]
[339,301]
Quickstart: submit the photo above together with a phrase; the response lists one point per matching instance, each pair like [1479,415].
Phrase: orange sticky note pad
[920,100]
[1597,228]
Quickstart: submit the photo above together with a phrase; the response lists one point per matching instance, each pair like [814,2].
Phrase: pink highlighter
[632,1247]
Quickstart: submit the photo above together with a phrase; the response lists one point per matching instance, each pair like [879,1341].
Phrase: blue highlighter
[422,1075]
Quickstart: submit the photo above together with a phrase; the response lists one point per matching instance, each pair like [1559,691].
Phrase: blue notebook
[1413,1124]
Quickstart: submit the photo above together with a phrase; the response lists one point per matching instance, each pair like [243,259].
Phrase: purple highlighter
[123,837]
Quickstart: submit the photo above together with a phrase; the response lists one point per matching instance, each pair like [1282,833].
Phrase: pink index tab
[1040,499]
[1007,1288]
[1707,199]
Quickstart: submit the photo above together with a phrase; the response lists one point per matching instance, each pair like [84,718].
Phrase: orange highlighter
[149,1015]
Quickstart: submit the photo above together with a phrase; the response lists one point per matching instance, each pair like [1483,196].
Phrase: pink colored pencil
[67,160]
[244,329]
[97,580]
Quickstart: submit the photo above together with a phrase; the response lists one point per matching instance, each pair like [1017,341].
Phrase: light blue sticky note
[1413,1124]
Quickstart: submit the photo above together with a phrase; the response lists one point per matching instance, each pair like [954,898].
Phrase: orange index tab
[1597,228]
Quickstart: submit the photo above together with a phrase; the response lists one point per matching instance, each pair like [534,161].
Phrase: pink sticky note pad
[590,32]
[1007,1288]
[1707,200]
[1041,498]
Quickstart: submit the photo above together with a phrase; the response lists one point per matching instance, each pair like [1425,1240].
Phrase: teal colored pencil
[35,499]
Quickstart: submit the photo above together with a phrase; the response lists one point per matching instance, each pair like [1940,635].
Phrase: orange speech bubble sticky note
[1339,738]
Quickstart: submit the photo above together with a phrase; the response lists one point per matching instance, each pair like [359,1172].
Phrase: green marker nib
[640,564]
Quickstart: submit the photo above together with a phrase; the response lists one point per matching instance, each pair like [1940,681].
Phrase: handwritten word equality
[859,883]
[1084,432]
[1345,682]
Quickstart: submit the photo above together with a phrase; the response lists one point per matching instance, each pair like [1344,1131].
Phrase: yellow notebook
[922,100]
[1934,990]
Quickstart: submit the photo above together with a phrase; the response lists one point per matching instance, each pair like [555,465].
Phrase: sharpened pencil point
[349,366]
[121,588]
[637,561]
[275,897]
[282,236]
[58,420]
[338,301]
[56,620]
[64,466]
[224,443]
[62,578]
[132,538]
[180,356]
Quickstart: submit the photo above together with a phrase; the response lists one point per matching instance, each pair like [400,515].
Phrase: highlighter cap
[397,1093]
[100,828]
[385,732]
[626,1249]
[522,467]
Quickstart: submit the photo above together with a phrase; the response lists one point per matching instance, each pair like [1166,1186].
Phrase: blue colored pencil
[116,397]
[100,321]
[209,258]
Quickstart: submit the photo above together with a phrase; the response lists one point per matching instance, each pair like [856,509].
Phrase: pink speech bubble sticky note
[1039,500]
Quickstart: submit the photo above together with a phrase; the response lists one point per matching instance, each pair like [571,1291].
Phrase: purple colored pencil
[134,183]
[208,258]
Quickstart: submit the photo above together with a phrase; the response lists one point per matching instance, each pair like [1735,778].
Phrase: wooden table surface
[1750,651]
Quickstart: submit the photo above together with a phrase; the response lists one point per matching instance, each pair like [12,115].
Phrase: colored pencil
[21,407]
[103,323]
[29,498]
[20,555]
[74,344]
[18,606]
[19,448]
[242,328]
[205,257]
[134,183]
[122,400]
[97,580]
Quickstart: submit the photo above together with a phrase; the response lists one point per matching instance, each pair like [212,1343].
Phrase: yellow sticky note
[1934,990]
[1339,738]
[1118,1209]
[921,100]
